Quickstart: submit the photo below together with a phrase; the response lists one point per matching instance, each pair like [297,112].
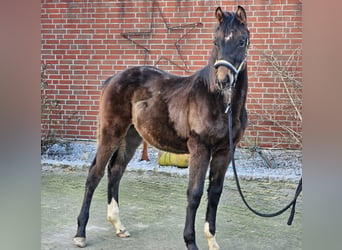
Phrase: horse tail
[98,130]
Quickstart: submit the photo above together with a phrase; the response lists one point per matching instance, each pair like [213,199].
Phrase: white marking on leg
[114,218]
[210,238]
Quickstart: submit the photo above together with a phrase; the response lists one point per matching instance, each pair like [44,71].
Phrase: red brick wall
[84,42]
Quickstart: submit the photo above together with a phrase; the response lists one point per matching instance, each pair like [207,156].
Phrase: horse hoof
[123,234]
[214,247]
[80,241]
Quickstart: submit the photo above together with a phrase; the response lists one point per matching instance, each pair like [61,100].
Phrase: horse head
[231,43]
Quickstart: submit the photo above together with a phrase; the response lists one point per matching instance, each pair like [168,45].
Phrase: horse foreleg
[199,160]
[116,169]
[218,167]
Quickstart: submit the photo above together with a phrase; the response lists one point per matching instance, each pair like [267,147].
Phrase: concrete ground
[152,207]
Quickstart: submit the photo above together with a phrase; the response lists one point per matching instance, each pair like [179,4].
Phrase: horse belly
[151,120]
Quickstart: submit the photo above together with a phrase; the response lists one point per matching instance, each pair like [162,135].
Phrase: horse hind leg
[116,169]
[95,174]
[108,143]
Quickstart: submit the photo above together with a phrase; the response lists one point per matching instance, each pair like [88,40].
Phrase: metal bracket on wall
[188,27]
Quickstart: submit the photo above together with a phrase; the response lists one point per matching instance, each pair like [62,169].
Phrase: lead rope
[232,150]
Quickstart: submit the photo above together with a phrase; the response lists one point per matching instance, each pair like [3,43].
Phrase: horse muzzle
[227,73]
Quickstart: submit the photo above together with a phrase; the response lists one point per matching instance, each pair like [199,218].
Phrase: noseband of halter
[231,67]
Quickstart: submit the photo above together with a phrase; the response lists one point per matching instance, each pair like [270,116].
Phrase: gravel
[284,165]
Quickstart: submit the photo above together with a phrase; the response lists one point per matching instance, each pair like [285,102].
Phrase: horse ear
[219,14]
[241,15]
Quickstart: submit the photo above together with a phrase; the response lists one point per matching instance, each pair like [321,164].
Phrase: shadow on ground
[153,210]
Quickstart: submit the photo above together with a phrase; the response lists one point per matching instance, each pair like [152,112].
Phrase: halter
[230,66]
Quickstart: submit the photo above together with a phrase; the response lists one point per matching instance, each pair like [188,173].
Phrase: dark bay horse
[175,114]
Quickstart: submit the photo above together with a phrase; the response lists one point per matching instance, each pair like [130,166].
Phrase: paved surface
[153,210]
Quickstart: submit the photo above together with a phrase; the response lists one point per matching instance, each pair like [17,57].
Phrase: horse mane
[178,96]
[182,87]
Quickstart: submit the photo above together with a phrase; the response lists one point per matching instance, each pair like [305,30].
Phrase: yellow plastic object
[171,159]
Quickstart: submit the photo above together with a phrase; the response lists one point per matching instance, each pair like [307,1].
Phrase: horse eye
[215,43]
[242,43]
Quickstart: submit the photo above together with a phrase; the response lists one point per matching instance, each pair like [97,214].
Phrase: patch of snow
[286,164]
